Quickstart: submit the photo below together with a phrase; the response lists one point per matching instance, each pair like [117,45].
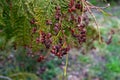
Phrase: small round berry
[34,29]
[40,58]
[32,21]
[69,10]
[78,6]
[57,7]
[73,9]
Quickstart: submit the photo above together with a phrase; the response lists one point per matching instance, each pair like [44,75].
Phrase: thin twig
[89,10]
[65,69]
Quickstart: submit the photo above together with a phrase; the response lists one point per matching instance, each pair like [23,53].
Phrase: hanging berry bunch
[66,28]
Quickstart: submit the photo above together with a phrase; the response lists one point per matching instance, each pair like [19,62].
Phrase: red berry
[40,58]
[53,51]
[37,40]
[78,6]
[57,17]
[59,55]
[49,35]
[56,29]
[69,10]
[73,9]
[79,19]
[72,17]
[57,7]
[32,21]
[72,2]
[34,30]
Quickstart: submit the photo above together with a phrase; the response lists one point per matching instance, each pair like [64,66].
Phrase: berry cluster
[81,20]
[59,51]
[81,37]
[45,38]
[57,24]
[73,6]
[58,13]
[71,23]
[57,27]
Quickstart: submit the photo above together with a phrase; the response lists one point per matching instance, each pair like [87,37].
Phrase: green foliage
[24,76]
[113,65]
[15,16]
[15,21]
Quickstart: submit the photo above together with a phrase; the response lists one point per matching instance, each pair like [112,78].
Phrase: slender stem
[65,69]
